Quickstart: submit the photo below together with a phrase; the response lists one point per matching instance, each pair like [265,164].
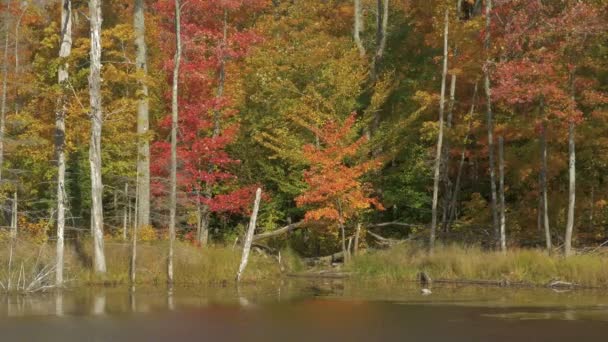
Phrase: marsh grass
[452,262]
[193,265]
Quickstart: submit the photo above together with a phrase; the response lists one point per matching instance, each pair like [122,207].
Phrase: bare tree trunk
[4,85]
[127,210]
[452,206]
[95,147]
[592,206]
[14,217]
[133,261]
[571,189]
[445,164]
[61,111]
[143,118]
[501,171]
[358,28]
[174,126]
[24,6]
[489,118]
[381,34]
[440,138]
[543,176]
[357,233]
[250,233]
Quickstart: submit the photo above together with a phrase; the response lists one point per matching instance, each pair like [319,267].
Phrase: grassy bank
[192,265]
[535,267]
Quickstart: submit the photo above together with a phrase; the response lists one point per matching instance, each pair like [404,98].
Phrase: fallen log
[385,241]
[288,228]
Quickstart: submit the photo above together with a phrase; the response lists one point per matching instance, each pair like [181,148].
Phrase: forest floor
[473,265]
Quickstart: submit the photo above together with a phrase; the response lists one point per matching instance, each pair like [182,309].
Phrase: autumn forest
[365,125]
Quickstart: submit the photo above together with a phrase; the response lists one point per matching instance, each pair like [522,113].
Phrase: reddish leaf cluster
[334,178]
[204,163]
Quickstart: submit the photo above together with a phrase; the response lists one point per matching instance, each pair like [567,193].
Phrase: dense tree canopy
[330,108]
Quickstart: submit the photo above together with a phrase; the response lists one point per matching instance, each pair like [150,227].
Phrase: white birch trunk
[95,146]
[571,189]
[4,85]
[61,111]
[249,236]
[501,171]
[543,176]
[440,138]
[357,29]
[125,222]
[143,118]
[488,89]
[174,126]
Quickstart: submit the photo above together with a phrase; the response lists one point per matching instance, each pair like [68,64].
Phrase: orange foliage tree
[335,191]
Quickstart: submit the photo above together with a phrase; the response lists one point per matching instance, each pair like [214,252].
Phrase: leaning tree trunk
[143,118]
[174,122]
[61,111]
[501,172]
[490,124]
[440,138]
[4,85]
[250,234]
[95,146]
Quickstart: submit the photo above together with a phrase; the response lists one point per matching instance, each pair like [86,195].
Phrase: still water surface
[307,310]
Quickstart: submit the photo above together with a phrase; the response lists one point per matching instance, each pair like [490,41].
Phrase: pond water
[307,310]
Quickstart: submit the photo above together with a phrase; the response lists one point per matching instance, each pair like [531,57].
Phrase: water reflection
[312,306]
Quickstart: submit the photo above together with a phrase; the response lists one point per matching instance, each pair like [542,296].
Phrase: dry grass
[403,263]
[193,265]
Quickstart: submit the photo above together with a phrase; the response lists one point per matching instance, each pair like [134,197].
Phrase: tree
[438,157]
[143,117]
[63,74]
[4,83]
[335,190]
[95,145]
[174,127]
[488,89]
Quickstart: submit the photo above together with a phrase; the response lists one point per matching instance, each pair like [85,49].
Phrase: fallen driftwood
[558,284]
[339,256]
[501,283]
[320,274]
[386,242]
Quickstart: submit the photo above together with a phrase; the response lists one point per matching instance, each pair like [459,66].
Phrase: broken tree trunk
[249,236]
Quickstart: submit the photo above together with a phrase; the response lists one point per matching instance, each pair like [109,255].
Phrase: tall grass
[192,265]
[536,267]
